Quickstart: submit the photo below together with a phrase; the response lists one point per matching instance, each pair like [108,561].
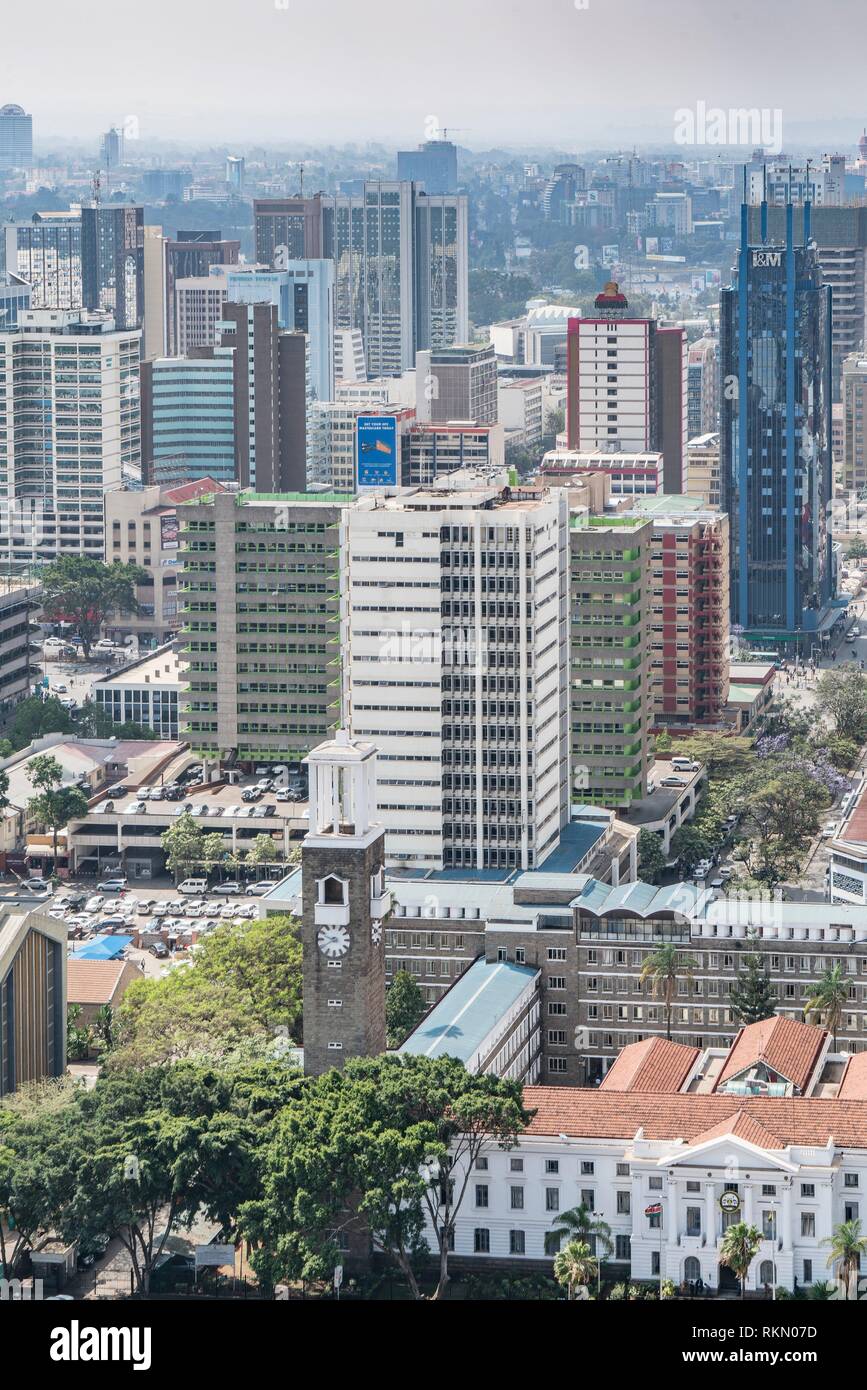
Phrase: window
[655,1184]
[481,1165]
[622,1248]
[850,1211]
[481,1194]
[808,1271]
[654,1263]
[623,1170]
[624,1203]
[693,1221]
[517,1243]
[693,1187]
[850,1179]
[587,1168]
[808,1224]
[552,1243]
[808,1190]
[588,1197]
[768,1190]
[516,1165]
[482,1240]
[552,1199]
[517,1198]
[552,1165]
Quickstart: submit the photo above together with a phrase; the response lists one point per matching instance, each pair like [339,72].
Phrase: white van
[193,887]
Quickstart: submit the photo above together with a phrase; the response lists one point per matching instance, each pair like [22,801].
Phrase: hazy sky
[353,70]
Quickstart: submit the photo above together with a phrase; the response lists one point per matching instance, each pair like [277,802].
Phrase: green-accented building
[259,646]
[610,709]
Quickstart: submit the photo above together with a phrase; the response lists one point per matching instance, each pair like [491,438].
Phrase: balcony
[331,914]
[381,905]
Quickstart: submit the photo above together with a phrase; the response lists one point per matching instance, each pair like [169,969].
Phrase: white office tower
[70,430]
[349,363]
[455,641]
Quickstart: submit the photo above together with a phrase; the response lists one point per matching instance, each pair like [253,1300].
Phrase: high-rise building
[192,254]
[188,417]
[775,343]
[238,410]
[345,903]
[854,420]
[111,151]
[46,253]
[687,611]
[840,234]
[16,137]
[703,469]
[19,656]
[401,260]
[610,705]
[15,295]
[260,642]
[199,301]
[349,363]
[154,323]
[455,664]
[434,164]
[235,173]
[457,383]
[627,381]
[703,388]
[303,292]
[112,263]
[287,229]
[560,190]
[69,430]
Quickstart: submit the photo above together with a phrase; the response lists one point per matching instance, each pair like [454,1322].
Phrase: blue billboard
[376,451]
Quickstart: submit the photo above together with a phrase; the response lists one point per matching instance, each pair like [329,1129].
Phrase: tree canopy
[85,592]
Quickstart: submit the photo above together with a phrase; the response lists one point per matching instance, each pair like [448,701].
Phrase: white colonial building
[676,1146]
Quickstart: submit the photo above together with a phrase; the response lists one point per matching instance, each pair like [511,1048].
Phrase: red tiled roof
[855,830]
[94,981]
[652,1065]
[741,1126]
[590,1114]
[783,1044]
[854,1083]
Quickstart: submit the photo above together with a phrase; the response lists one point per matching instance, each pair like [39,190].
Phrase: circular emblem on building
[730,1201]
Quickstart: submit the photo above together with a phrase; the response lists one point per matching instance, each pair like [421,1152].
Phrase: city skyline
[565,98]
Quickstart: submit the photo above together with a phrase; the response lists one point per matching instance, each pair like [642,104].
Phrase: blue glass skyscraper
[775,422]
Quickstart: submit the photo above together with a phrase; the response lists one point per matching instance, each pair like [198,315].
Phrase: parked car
[94,903]
[831,830]
[227,890]
[37,884]
[113,885]
[161,909]
[257,890]
[175,793]
[74,901]
[157,794]
[673,782]
[251,794]
[159,949]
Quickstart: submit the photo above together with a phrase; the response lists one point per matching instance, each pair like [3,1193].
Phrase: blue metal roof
[103,948]
[470,1012]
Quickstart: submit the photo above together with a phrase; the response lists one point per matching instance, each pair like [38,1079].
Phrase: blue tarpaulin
[103,948]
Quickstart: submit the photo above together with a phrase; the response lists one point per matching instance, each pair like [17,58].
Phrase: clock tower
[345,904]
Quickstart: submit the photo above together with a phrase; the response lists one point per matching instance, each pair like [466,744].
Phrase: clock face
[333,941]
[376,933]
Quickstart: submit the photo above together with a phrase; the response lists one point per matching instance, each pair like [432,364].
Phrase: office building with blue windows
[775,350]
[303,293]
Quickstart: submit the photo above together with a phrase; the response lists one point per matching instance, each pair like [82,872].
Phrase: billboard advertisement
[376,451]
[169,531]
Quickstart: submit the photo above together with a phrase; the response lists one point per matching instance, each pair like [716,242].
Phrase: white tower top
[343,788]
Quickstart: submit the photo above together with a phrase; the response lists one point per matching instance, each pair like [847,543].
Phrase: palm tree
[575,1267]
[847,1247]
[665,968]
[582,1225]
[740,1245]
[829,1000]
